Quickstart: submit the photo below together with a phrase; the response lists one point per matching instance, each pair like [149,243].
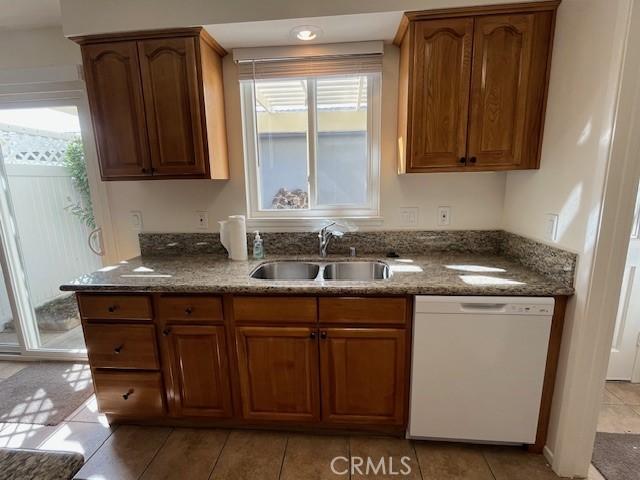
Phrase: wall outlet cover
[551,227]
[444,216]
[136,220]
[202,220]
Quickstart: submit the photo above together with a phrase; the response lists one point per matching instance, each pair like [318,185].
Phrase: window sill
[308,224]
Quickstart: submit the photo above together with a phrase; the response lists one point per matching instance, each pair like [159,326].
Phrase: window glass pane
[8,335]
[341,150]
[281,125]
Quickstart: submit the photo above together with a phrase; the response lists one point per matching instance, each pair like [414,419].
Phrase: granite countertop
[433,274]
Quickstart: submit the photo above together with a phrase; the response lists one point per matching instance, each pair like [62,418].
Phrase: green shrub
[75,163]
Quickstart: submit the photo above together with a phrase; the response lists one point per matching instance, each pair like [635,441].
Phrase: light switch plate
[409,216]
[444,216]
[551,227]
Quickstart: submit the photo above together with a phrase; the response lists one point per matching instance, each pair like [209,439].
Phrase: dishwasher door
[478,367]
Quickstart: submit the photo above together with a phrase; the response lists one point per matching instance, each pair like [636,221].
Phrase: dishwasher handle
[483,307]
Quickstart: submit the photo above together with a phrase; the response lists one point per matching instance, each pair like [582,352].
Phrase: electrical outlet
[136,220]
[444,216]
[202,220]
[551,227]
[409,216]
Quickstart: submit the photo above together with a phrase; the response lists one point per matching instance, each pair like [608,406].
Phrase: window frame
[266,217]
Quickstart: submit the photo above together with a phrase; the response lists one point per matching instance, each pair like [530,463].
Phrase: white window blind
[264,69]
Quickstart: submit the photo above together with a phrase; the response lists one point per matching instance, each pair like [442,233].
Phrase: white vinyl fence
[53,241]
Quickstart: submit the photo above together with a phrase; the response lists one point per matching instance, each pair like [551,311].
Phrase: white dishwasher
[478,367]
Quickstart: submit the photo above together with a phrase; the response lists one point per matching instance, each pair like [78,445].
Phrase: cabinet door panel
[500,87]
[172,103]
[278,369]
[200,370]
[363,375]
[112,73]
[440,79]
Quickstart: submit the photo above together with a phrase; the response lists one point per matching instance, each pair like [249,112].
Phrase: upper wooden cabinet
[157,104]
[473,85]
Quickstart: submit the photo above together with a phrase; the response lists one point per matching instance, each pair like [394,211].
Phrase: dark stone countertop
[438,273]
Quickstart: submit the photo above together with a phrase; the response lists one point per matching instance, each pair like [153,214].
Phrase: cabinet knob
[188,310]
[312,335]
[166,331]
[463,160]
[118,349]
[323,335]
[472,160]
[112,308]
[128,394]
[143,170]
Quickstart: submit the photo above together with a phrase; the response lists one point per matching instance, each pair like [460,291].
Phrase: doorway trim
[579,406]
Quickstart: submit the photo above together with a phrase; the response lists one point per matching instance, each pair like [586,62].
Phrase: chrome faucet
[325,236]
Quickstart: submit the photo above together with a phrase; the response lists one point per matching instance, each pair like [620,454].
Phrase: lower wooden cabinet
[363,375]
[199,370]
[132,394]
[278,373]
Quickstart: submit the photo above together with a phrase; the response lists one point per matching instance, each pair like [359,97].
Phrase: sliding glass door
[50,233]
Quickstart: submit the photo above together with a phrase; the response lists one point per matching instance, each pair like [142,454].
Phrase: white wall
[38,47]
[170,206]
[581,105]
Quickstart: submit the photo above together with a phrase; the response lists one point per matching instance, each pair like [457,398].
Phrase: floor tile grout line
[156,452]
[215,464]
[614,395]
[111,432]
[284,454]
[484,457]
[413,447]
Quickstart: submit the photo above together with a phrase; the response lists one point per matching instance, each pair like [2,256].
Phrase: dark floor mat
[617,455]
[44,393]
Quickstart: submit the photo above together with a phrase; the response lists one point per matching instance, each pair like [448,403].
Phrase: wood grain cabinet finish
[122,346]
[199,370]
[278,373]
[473,86]
[364,375]
[115,307]
[157,104]
[129,394]
[187,309]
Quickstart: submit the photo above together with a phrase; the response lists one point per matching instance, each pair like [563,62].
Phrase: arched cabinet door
[441,72]
[170,80]
[508,83]
[112,75]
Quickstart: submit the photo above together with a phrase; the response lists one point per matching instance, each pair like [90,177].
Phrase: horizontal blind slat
[310,67]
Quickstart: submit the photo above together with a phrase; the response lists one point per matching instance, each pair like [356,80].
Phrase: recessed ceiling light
[306,32]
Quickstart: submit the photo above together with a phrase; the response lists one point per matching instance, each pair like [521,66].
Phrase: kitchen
[190,126]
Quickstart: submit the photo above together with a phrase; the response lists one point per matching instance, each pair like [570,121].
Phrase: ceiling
[22,14]
[335,29]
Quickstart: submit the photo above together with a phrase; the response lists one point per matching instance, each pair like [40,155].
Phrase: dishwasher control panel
[531,309]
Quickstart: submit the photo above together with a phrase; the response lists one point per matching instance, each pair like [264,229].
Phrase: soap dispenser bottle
[258,248]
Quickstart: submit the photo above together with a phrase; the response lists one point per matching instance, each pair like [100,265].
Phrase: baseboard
[548,454]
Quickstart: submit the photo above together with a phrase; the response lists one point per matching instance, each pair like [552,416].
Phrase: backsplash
[542,258]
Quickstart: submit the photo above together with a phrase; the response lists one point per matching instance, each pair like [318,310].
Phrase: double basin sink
[355,271]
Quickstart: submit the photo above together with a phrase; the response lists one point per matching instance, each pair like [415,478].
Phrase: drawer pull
[112,308]
[166,331]
[323,335]
[312,335]
[188,310]
[128,394]
[118,349]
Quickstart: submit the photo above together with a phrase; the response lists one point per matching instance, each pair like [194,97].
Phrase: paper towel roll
[233,235]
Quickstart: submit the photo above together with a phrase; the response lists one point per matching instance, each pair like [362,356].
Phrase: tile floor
[147,453]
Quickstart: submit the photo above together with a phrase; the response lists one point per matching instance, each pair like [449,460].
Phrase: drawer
[185,309]
[122,346]
[275,309]
[137,394]
[361,310]
[120,307]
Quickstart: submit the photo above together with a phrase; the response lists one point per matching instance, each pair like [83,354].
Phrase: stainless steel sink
[356,271]
[286,271]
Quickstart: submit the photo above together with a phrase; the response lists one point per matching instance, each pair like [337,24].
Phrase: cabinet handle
[128,394]
[472,160]
[323,335]
[152,169]
[112,308]
[188,310]
[166,331]
[463,160]
[312,335]
[118,349]
[143,170]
